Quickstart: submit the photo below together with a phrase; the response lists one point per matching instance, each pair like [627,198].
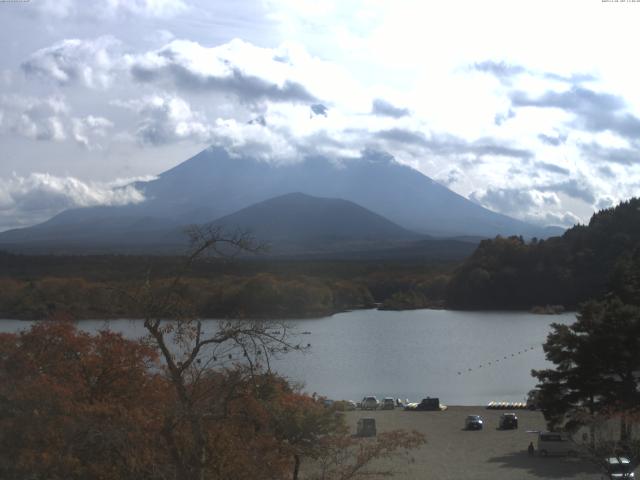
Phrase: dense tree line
[510,273]
[215,289]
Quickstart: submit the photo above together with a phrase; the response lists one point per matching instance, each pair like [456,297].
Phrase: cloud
[84,130]
[386,109]
[34,118]
[450,145]
[553,168]
[500,118]
[622,156]
[503,71]
[167,118]
[25,200]
[529,204]
[238,68]
[594,111]
[553,141]
[319,109]
[574,188]
[49,119]
[111,9]
[90,63]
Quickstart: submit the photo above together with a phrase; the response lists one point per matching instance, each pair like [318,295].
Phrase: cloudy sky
[530,108]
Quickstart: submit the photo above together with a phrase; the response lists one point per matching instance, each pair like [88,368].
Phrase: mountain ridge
[213,184]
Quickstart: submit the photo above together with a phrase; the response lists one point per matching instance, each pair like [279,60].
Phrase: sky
[529,108]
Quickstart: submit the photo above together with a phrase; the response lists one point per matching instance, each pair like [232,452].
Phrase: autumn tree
[75,406]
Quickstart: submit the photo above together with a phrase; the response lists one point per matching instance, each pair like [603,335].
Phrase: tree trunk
[296,466]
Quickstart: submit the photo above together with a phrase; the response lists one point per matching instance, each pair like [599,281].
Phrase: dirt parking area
[452,453]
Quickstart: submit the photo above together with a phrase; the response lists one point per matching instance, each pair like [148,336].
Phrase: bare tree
[191,349]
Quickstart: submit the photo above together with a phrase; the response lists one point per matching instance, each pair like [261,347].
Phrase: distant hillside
[212,185]
[510,273]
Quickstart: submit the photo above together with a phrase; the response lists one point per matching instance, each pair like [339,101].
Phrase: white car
[369,403]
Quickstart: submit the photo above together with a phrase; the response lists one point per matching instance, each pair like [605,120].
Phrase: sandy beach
[452,453]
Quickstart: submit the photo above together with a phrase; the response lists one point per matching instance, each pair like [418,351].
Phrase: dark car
[618,467]
[508,421]
[473,422]
[429,404]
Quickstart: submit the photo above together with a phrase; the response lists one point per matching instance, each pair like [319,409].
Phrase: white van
[555,443]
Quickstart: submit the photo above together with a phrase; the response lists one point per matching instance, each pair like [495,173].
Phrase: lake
[464,358]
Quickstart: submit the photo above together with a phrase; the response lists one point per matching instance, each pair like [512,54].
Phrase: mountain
[220,185]
[299,222]
[212,184]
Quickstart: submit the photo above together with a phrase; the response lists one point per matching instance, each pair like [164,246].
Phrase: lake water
[464,358]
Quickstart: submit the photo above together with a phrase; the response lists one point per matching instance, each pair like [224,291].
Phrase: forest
[511,273]
[33,287]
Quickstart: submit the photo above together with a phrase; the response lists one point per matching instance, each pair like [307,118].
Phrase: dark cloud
[259,120]
[400,135]
[606,171]
[247,88]
[572,188]
[501,70]
[550,167]
[450,145]
[553,141]
[621,156]
[385,109]
[595,112]
[500,118]
[319,109]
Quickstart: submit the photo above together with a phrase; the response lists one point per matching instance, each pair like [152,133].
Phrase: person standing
[530,448]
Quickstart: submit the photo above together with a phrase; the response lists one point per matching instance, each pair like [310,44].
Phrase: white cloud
[86,129]
[49,119]
[34,118]
[90,63]
[25,200]
[166,118]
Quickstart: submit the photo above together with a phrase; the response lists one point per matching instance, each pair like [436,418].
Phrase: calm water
[456,356]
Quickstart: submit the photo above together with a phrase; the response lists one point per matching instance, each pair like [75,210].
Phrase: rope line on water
[498,360]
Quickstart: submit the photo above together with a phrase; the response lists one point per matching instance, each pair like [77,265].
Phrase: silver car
[369,403]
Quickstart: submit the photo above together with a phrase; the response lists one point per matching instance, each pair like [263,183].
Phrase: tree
[75,406]
[192,401]
[597,360]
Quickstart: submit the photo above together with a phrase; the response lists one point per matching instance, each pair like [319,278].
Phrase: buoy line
[497,360]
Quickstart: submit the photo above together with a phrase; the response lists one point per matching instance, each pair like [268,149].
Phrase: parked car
[618,468]
[388,403]
[350,405]
[429,404]
[473,422]
[555,443]
[508,421]
[366,427]
[369,403]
